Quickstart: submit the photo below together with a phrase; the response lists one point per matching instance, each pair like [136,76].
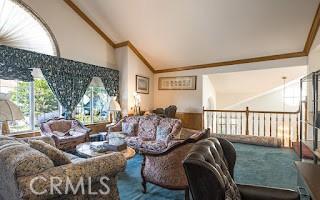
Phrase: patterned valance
[20,62]
[67,79]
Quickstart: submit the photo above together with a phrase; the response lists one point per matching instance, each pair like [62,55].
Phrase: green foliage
[21,97]
[44,98]
[45,101]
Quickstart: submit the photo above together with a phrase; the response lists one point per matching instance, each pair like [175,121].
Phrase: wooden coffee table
[85,151]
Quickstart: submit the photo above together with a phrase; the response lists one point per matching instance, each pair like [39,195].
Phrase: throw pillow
[162,133]
[57,156]
[129,128]
[60,134]
[148,127]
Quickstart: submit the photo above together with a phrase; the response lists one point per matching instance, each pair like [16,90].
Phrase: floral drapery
[67,79]
[68,88]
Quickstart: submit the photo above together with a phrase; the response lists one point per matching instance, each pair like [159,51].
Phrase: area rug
[255,165]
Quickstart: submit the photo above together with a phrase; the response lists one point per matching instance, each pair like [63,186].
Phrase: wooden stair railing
[282,125]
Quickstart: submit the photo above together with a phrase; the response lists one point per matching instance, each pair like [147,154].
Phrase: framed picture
[178,83]
[142,84]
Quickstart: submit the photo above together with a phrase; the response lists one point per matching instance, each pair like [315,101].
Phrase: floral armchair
[148,133]
[165,168]
[67,134]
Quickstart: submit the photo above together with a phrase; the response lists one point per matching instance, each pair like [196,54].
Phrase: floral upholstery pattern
[72,132]
[147,127]
[162,133]
[20,164]
[146,140]
[57,156]
[130,128]
[165,168]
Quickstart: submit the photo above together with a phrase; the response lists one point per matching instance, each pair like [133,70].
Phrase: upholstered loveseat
[67,134]
[24,169]
[148,133]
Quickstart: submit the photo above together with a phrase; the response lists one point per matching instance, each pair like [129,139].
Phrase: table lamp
[114,107]
[8,112]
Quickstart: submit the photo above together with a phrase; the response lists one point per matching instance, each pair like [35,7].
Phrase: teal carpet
[255,165]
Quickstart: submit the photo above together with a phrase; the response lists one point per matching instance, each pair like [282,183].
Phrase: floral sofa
[22,165]
[150,133]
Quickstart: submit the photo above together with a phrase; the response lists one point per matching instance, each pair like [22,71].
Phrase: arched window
[21,27]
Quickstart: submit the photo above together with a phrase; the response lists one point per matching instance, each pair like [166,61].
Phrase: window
[46,104]
[20,96]
[22,28]
[38,104]
[93,107]
[25,95]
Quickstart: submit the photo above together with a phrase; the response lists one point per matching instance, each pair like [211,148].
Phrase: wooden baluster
[247,120]
[276,125]
[270,125]
[290,131]
[253,123]
[264,124]
[258,124]
[283,130]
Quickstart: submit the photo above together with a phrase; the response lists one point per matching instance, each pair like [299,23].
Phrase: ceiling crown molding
[308,44]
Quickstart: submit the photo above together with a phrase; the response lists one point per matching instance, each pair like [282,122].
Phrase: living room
[159,99]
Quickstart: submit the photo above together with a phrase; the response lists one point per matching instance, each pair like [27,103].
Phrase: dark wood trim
[122,44]
[251,111]
[139,55]
[311,36]
[313,31]
[235,62]
[76,9]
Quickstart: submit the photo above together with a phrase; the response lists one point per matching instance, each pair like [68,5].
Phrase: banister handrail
[253,111]
[278,124]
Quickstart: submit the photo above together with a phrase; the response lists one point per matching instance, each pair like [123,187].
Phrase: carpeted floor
[255,165]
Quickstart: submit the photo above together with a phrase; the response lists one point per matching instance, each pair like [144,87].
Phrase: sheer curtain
[21,28]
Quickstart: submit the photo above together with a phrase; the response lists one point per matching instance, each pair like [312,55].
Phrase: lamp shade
[114,105]
[8,110]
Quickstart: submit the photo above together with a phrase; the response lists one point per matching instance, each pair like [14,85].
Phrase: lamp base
[5,128]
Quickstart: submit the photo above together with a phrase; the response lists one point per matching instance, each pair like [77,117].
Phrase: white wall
[191,101]
[76,39]
[186,100]
[314,55]
[272,100]
[209,100]
[130,66]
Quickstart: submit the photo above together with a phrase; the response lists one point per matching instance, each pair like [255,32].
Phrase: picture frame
[177,83]
[142,84]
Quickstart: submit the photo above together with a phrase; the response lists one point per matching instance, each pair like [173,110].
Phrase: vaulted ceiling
[178,33]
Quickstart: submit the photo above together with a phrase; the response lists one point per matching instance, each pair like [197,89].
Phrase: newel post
[247,120]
